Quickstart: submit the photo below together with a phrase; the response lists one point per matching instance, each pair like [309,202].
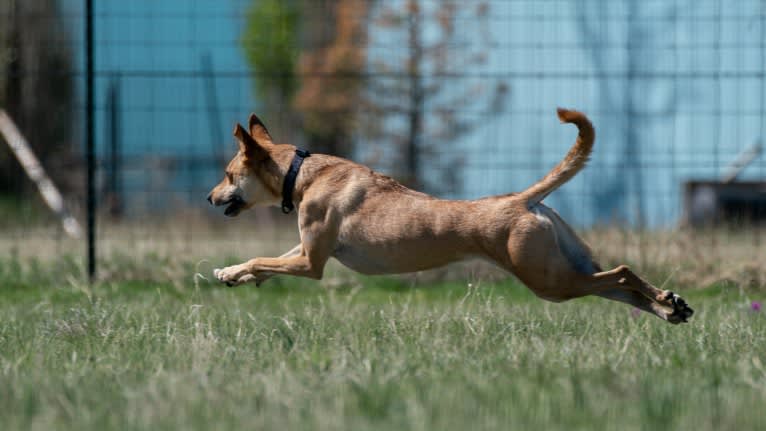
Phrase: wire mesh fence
[456,98]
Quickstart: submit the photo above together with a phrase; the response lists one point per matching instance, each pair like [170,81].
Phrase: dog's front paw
[233,275]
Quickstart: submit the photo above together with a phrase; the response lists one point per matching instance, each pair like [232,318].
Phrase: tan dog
[374,225]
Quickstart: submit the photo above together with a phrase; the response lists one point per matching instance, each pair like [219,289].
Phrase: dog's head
[243,184]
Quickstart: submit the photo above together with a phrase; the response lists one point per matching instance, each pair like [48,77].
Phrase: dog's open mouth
[235,205]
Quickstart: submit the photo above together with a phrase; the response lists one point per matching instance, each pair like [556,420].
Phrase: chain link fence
[456,98]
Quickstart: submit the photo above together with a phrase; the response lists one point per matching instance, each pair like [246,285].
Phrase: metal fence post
[89,137]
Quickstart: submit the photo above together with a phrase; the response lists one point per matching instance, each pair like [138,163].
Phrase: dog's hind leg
[621,284]
[635,299]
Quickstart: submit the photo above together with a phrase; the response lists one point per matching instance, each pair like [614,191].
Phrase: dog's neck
[274,171]
[290,178]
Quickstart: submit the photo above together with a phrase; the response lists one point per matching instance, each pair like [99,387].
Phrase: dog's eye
[229,177]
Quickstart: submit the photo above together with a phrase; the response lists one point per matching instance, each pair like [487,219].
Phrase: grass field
[152,346]
[152,355]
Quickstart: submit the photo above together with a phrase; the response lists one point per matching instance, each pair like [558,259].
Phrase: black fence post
[89,137]
[114,184]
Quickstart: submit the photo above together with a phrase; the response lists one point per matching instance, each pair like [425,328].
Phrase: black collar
[289,184]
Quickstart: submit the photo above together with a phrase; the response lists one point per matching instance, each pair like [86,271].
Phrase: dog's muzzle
[235,204]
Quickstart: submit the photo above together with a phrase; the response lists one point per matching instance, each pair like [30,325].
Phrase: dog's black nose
[210,198]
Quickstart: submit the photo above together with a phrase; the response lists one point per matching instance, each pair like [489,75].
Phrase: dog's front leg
[263,276]
[234,275]
[262,268]
[300,265]
[305,260]
[242,273]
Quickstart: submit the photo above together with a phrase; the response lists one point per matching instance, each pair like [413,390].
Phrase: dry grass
[169,248]
[691,258]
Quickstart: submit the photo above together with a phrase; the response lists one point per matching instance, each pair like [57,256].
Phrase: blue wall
[675,89]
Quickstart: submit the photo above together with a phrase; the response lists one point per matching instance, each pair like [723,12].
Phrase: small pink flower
[755,306]
[635,312]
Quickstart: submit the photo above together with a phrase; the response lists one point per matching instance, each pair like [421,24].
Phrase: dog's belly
[398,259]
[405,234]
[358,259]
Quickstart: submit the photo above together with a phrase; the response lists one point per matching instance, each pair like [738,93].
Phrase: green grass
[373,353]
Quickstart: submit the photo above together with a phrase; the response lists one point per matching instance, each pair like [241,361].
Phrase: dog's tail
[572,163]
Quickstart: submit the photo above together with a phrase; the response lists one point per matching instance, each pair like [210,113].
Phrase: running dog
[374,225]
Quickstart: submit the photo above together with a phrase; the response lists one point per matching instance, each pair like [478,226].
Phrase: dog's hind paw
[681,310]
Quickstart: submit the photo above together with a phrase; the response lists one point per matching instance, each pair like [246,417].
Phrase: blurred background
[456,98]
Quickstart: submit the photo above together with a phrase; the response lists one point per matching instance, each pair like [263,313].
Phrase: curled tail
[572,163]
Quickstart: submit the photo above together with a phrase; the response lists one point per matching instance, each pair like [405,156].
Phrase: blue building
[675,89]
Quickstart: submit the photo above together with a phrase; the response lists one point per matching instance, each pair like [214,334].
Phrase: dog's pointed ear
[248,146]
[258,131]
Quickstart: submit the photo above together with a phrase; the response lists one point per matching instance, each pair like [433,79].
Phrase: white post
[32,166]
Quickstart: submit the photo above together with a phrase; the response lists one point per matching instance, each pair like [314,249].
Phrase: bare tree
[270,41]
[328,81]
[331,69]
[421,102]
[308,59]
